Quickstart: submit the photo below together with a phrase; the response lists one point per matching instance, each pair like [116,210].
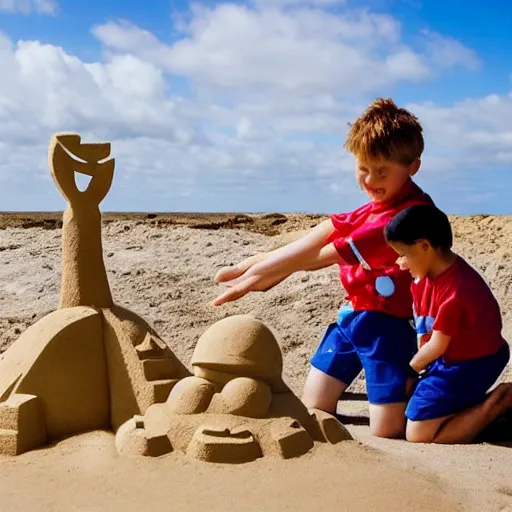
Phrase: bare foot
[500,400]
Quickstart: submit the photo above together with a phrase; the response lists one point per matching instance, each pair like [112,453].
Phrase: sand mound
[344,478]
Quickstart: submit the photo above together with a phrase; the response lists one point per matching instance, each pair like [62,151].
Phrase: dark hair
[420,222]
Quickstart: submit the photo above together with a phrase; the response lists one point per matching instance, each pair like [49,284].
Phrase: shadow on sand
[499,432]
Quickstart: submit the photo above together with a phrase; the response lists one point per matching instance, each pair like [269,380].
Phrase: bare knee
[387,431]
[420,431]
[321,391]
[387,420]
[314,400]
[417,436]
[321,405]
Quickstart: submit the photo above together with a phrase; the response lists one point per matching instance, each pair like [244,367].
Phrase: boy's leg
[451,405]
[334,366]
[388,420]
[321,391]
[385,345]
[464,426]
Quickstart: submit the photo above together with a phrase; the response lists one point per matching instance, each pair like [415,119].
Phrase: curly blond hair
[386,131]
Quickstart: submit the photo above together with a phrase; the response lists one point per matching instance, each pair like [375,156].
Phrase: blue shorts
[380,343]
[449,388]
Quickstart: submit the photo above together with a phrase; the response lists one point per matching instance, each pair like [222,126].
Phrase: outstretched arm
[327,256]
[263,271]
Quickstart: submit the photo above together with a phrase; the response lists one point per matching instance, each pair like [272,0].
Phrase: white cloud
[272,92]
[47,89]
[28,6]
[158,141]
[446,52]
[302,49]
[476,129]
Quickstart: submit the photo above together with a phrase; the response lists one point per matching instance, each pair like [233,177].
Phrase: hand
[264,271]
[250,281]
[227,275]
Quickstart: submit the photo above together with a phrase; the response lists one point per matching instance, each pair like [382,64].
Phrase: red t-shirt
[363,229]
[460,304]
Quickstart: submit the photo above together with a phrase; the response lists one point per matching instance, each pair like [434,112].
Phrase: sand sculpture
[92,364]
[235,408]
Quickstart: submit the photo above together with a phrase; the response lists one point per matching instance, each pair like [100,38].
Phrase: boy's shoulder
[466,278]
[372,215]
[461,282]
[415,195]
[410,195]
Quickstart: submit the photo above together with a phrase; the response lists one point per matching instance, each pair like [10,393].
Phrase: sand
[161,267]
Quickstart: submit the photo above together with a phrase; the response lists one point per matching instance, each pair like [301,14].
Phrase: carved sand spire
[91,364]
[84,278]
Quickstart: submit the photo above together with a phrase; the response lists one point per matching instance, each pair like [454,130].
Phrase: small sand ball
[191,395]
[246,397]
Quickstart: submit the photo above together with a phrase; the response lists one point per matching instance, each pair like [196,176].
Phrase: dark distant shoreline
[268,223]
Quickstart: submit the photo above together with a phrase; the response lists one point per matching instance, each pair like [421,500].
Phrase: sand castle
[92,364]
[235,408]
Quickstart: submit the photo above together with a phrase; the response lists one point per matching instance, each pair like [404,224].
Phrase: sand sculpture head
[237,366]
[236,407]
[67,155]
[239,346]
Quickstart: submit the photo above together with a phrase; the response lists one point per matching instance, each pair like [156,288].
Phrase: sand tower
[91,364]
[95,365]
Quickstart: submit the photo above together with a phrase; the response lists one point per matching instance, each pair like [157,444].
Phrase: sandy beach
[162,266]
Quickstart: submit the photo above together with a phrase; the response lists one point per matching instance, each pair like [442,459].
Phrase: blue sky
[244,106]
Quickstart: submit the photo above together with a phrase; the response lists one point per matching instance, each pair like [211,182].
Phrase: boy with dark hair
[458,322]
[373,330]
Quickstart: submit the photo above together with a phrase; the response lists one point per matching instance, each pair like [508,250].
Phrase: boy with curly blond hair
[373,329]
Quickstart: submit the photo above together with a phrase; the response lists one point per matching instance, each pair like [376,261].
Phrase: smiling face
[382,179]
